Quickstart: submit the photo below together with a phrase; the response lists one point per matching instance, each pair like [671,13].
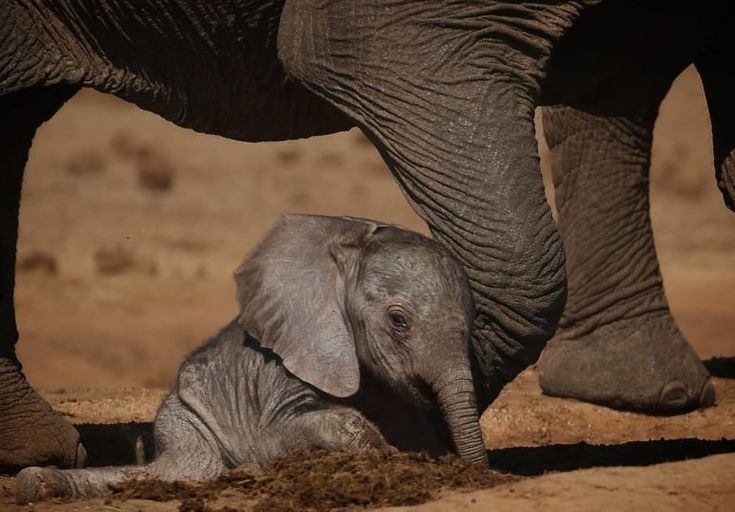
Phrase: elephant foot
[32,433]
[37,484]
[641,363]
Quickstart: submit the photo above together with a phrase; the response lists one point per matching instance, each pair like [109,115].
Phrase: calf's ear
[291,290]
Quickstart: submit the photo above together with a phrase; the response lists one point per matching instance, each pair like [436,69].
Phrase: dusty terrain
[130,228]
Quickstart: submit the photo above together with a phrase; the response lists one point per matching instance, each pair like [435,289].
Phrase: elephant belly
[619,55]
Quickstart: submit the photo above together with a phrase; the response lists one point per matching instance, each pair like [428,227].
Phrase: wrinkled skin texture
[446,91]
[330,300]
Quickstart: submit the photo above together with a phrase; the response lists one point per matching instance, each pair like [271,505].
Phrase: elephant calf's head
[327,294]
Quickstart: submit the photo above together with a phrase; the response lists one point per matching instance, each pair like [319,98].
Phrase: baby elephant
[335,314]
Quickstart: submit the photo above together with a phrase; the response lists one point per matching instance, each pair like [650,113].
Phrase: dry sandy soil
[130,228]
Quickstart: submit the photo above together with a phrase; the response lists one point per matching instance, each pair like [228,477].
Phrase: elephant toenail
[673,395]
[707,397]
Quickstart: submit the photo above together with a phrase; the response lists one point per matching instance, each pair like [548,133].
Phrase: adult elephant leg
[446,92]
[31,433]
[617,343]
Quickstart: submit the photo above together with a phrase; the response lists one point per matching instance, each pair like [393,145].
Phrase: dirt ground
[131,227]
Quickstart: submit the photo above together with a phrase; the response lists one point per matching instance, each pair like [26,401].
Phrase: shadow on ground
[542,459]
[723,367]
[132,443]
[117,444]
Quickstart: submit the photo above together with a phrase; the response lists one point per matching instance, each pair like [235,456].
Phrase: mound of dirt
[323,480]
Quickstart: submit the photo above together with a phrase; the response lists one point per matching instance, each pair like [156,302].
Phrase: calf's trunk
[456,397]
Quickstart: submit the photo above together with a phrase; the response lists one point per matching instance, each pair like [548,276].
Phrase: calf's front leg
[334,428]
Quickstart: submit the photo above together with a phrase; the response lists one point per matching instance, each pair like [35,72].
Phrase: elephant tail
[718,79]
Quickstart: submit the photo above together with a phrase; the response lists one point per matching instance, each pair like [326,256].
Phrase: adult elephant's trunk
[456,396]
[446,91]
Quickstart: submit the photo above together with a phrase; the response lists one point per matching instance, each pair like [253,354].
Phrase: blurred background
[131,228]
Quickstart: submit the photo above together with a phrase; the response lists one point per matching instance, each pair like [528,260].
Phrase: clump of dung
[38,262]
[323,480]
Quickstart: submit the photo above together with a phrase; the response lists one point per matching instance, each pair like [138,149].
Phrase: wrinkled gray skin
[328,300]
[447,92]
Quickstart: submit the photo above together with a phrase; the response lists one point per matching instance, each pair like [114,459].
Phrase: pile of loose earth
[322,480]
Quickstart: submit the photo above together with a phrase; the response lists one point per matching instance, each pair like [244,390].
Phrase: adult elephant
[446,90]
